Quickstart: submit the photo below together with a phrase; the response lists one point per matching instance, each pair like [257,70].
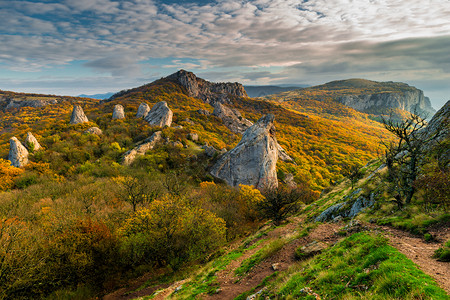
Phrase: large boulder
[160,115]
[148,144]
[118,112]
[18,154]
[143,110]
[78,115]
[253,161]
[32,143]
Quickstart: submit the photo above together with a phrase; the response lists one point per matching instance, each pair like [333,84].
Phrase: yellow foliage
[7,174]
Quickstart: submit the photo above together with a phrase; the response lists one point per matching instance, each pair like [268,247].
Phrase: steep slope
[377,98]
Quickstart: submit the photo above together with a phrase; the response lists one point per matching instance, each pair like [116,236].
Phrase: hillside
[374,98]
[78,222]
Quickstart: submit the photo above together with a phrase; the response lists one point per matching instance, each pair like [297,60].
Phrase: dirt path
[232,286]
[421,252]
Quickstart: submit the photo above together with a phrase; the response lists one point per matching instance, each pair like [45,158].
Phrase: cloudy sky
[72,47]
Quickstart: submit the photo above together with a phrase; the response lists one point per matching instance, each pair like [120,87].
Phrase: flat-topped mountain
[372,97]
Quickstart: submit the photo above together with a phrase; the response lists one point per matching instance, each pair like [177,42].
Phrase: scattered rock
[231,118]
[193,136]
[255,295]
[160,115]
[177,144]
[148,144]
[78,115]
[310,249]
[275,266]
[143,110]
[189,121]
[178,127]
[204,112]
[348,209]
[94,130]
[18,154]
[118,112]
[253,160]
[32,143]
[209,150]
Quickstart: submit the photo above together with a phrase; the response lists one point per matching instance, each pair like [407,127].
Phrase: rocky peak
[207,91]
[32,143]
[118,112]
[18,154]
[253,161]
[78,115]
[160,115]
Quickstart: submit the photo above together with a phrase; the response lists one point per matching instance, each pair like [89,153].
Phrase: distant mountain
[97,96]
[266,90]
[372,97]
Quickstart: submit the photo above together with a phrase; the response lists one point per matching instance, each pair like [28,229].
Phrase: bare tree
[404,156]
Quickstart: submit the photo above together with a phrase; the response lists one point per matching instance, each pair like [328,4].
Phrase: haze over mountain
[92,47]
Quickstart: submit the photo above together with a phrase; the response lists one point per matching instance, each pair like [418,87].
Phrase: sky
[72,47]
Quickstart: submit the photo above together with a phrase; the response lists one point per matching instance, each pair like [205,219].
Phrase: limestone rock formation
[11,102]
[118,112]
[32,143]
[148,144]
[18,154]
[207,91]
[160,115]
[78,115]
[143,110]
[231,118]
[438,131]
[253,160]
[193,136]
[94,130]
[409,100]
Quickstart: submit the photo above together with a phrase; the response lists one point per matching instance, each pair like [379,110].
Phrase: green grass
[443,253]
[360,266]
[259,256]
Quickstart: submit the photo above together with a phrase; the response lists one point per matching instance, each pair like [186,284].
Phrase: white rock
[253,161]
[160,115]
[143,110]
[78,115]
[118,112]
[31,140]
[18,154]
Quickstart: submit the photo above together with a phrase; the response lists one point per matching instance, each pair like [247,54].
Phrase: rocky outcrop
[409,100]
[18,154]
[19,103]
[207,91]
[78,115]
[253,160]
[354,204]
[143,110]
[148,144]
[437,134]
[231,118]
[31,143]
[94,130]
[160,115]
[118,112]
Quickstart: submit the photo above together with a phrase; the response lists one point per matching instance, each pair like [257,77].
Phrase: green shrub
[443,253]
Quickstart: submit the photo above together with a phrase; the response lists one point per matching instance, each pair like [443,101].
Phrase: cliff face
[8,102]
[209,92]
[406,100]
